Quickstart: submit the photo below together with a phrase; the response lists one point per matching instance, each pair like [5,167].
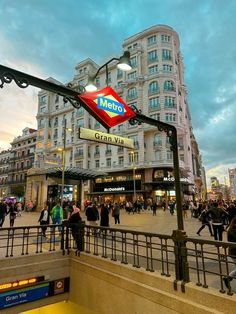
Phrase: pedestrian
[154,208]
[116,213]
[205,219]
[216,213]
[231,237]
[12,214]
[44,219]
[74,221]
[185,207]
[104,215]
[57,215]
[3,212]
[92,214]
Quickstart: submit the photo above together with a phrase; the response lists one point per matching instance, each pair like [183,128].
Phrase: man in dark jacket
[3,212]
[92,214]
[216,213]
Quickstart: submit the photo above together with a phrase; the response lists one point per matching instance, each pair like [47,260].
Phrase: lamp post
[63,151]
[134,169]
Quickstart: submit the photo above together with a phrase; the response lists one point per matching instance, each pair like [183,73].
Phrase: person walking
[231,237]
[3,212]
[57,215]
[44,219]
[116,213]
[216,214]
[12,214]
[92,214]
[104,216]
[154,208]
[76,231]
[205,219]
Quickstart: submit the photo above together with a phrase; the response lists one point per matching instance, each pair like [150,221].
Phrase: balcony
[153,91]
[79,155]
[96,154]
[157,145]
[108,152]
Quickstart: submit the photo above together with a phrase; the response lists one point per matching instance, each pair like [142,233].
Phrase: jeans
[217,231]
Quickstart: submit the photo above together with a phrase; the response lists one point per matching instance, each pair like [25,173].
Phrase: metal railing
[203,262]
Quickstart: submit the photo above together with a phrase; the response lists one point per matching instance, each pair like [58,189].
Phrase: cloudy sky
[49,37]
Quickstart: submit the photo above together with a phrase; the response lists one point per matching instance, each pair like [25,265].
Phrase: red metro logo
[107,107]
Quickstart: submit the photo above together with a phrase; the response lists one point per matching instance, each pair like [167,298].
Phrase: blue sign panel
[110,105]
[15,297]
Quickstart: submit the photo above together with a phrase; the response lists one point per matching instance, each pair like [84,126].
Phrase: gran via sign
[105,138]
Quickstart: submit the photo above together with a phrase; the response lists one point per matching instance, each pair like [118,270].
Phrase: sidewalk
[163,222]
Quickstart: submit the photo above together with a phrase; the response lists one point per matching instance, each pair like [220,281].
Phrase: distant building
[4,169]
[21,160]
[232,182]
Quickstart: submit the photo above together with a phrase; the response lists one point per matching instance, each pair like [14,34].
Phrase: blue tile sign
[16,297]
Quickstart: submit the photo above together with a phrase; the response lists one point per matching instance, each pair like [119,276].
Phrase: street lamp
[63,151]
[134,168]
[123,64]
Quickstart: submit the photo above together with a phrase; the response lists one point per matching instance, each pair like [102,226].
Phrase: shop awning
[73,173]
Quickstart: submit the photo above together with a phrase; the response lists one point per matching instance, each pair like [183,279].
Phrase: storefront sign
[172,179]
[105,138]
[118,189]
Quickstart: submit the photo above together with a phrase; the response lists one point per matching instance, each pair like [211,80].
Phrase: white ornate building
[155,85]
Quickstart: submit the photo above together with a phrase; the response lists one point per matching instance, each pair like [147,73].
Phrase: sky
[47,38]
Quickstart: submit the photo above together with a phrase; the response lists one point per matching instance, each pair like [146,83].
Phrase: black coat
[232,238]
[104,222]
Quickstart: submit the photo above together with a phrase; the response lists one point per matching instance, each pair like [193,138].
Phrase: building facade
[155,85]
[4,169]
[232,183]
[21,160]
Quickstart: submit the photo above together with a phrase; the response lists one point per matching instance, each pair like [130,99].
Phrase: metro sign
[105,105]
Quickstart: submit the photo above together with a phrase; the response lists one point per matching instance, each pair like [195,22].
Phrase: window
[168,86]
[167,68]
[152,40]
[80,123]
[154,103]
[132,92]
[157,139]
[56,98]
[120,128]
[79,164]
[152,55]
[155,116]
[131,76]
[97,164]
[97,81]
[82,82]
[157,155]
[43,109]
[56,107]
[108,162]
[168,140]
[56,121]
[42,100]
[41,123]
[79,111]
[119,73]
[169,102]
[169,155]
[165,38]
[55,133]
[153,69]
[135,139]
[133,62]
[170,117]
[97,150]
[119,84]
[166,54]
[109,77]
[121,160]
[108,148]
[153,87]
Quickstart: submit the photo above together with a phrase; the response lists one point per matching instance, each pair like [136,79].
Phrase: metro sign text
[110,105]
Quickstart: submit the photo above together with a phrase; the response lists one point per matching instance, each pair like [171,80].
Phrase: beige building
[21,160]
[232,183]
[155,85]
[4,169]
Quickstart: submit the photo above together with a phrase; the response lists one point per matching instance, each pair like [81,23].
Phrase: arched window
[153,87]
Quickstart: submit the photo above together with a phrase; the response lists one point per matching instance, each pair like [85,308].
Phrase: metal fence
[203,262]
